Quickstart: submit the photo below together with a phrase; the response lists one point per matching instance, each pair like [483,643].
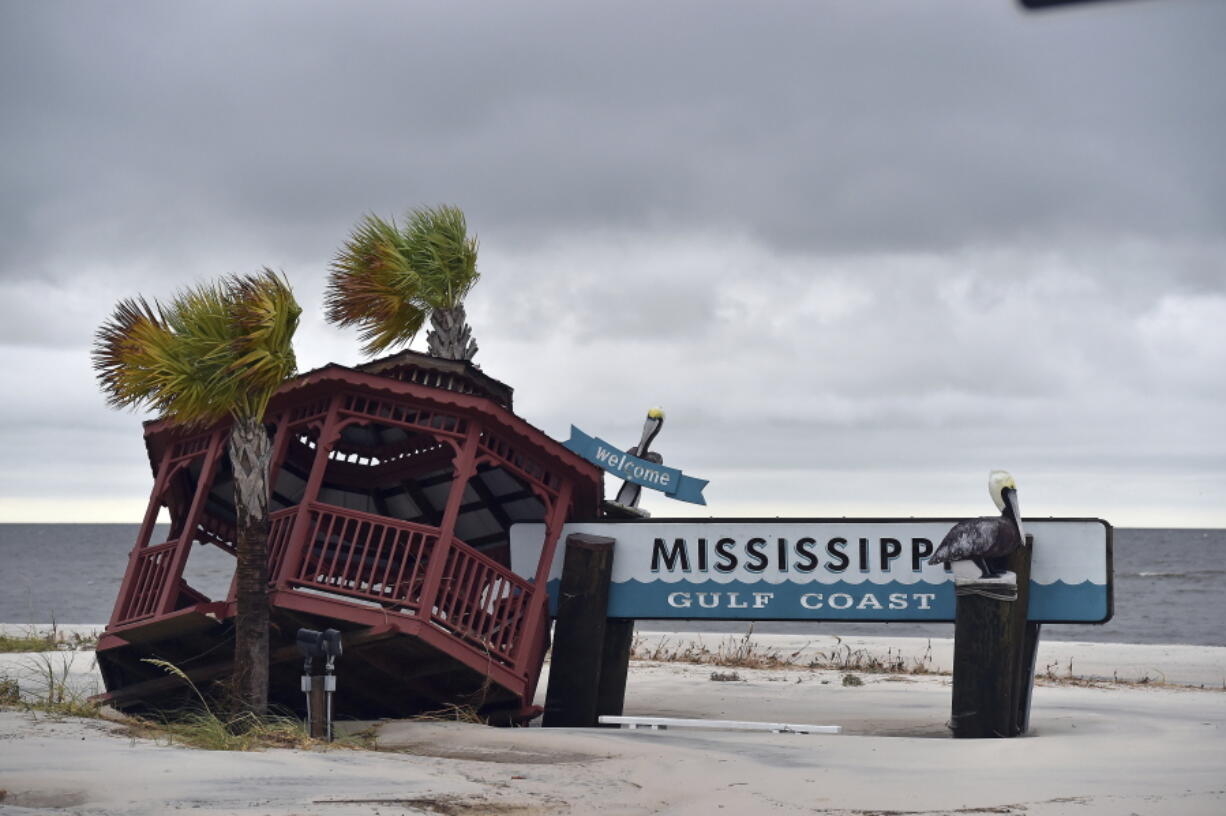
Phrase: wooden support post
[1029,663]
[572,699]
[318,725]
[614,667]
[213,455]
[989,644]
[464,467]
[534,637]
[1027,635]
[160,481]
[296,549]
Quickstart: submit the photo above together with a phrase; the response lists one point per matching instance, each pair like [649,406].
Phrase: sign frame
[948,522]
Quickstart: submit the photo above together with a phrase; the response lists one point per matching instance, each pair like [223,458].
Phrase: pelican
[987,540]
[628,496]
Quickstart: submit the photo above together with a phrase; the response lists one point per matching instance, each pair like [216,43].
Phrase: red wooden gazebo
[395,486]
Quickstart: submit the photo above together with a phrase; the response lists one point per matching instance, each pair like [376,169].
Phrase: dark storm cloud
[807,125]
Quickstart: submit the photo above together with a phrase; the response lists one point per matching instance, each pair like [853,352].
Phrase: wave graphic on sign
[1058,602]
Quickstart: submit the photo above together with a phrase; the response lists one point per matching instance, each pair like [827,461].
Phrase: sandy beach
[1153,743]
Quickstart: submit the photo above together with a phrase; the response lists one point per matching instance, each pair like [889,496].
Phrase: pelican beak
[651,427]
[1009,495]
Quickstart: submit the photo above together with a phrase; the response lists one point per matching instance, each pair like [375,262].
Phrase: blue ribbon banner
[669,481]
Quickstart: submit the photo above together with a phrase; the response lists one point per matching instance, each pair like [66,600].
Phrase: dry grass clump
[744,652]
[31,642]
[732,652]
[45,686]
[10,691]
[51,640]
[725,677]
[205,728]
[1052,676]
[242,732]
[452,712]
[844,658]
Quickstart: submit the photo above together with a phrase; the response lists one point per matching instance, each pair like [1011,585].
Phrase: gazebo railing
[371,558]
[375,560]
[150,573]
[482,602]
[280,528]
[366,557]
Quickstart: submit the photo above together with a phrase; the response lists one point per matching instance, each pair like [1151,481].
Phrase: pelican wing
[976,538]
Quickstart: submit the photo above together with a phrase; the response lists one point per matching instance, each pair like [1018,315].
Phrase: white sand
[1112,750]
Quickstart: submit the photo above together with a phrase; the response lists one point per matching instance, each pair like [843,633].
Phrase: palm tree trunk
[449,336]
[250,452]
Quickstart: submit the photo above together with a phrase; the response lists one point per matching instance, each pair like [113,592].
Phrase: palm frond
[442,254]
[264,317]
[215,349]
[372,286]
[133,334]
[387,280]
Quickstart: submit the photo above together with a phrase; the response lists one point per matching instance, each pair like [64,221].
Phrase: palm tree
[216,351]
[387,279]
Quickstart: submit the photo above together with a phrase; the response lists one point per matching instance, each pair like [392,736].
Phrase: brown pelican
[628,496]
[986,541]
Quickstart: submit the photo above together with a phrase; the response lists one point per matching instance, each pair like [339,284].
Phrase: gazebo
[396,483]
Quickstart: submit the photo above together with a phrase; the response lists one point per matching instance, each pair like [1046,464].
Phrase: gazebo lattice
[396,484]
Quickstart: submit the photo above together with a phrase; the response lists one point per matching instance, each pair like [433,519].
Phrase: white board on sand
[658,723]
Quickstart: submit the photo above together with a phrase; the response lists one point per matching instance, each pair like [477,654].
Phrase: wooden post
[318,725]
[464,467]
[989,642]
[160,481]
[1028,665]
[296,548]
[1027,635]
[527,658]
[614,666]
[572,699]
[212,459]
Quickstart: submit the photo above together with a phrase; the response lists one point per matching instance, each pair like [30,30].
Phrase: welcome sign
[821,570]
[670,481]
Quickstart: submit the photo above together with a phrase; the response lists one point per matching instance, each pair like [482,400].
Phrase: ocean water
[1168,585]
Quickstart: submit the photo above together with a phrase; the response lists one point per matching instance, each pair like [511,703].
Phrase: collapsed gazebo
[395,486]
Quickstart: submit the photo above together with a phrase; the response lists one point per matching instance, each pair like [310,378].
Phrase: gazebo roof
[452,385]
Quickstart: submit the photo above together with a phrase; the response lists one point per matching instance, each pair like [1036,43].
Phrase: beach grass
[206,730]
[44,639]
[45,683]
[210,727]
[31,642]
[744,652]
[747,652]
[25,643]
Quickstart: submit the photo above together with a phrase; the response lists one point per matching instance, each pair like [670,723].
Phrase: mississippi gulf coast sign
[822,570]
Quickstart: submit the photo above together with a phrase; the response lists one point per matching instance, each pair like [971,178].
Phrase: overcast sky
[861,252]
